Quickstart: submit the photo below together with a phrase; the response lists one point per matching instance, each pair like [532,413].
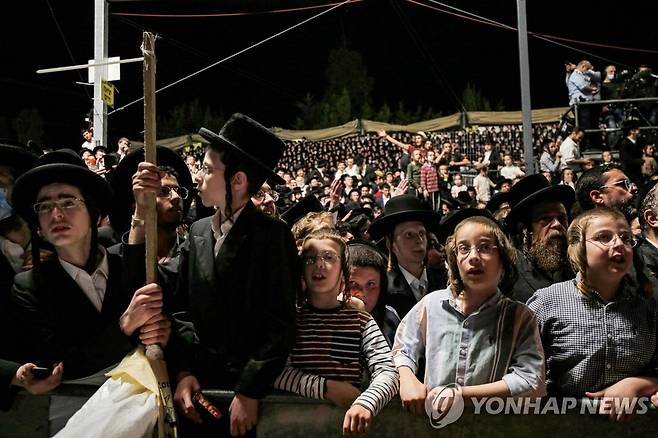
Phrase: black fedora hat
[28,185]
[403,208]
[122,183]
[534,189]
[253,141]
[306,205]
[450,221]
[497,200]
[61,156]
[18,158]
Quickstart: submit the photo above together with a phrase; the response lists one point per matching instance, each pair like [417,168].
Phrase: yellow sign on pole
[107,93]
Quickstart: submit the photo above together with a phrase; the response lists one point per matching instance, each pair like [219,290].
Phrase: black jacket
[531,278]
[56,322]
[241,303]
[399,294]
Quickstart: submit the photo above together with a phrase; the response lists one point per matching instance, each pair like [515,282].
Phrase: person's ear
[597,197]
[650,218]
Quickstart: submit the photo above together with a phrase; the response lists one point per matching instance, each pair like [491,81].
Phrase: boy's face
[64,227]
[508,160]
[210,181]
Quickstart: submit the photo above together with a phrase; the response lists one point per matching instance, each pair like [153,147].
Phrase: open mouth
[618,258]
[318,277]
[475,271]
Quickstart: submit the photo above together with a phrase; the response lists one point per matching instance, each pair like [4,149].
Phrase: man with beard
[646,252]
[606,186]
[538,224]
[265,200]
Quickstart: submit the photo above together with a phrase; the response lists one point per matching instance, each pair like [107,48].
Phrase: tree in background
[186,118]
[473,100]
[28,125]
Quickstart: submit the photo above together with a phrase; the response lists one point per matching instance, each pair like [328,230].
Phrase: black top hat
[403,208]
[296,190]
[352,191]
[28,185]
[16,157]
[253,141]
[306,205]
[452,219]
[497,200]
[534,189]
[122,183]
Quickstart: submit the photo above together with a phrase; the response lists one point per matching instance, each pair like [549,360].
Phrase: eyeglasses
[483,249]
[260,196]
[64,204]
[608,238]
[627,185]
[165,192]
[327,257]
[205,169]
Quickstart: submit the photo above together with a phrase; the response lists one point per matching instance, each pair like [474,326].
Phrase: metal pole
[100,56]
[525,87]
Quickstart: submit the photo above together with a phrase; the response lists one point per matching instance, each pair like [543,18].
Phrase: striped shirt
[591,344]
[499,341]
[339,344]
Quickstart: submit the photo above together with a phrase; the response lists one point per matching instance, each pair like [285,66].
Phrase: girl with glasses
[334,342]
[471,322]
[599,329]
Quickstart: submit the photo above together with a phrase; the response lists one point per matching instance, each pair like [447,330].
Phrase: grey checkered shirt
[589,344]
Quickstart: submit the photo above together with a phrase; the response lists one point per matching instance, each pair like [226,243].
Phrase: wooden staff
[167,417]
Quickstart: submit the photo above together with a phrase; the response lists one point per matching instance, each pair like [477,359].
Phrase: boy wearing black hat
[404,225]
[239,275]
[72,307]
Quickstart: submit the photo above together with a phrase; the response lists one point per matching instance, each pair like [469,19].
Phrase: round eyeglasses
[165,192]
[260,196]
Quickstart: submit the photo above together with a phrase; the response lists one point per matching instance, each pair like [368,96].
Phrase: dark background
[267,82]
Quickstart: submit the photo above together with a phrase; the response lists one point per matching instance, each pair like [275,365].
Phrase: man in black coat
[645,257]
[404,225]
[631,155]
[239,274]
[538,222]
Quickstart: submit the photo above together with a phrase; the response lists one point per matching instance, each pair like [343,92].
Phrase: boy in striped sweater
[336,344]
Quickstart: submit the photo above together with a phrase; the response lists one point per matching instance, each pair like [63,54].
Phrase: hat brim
[28,185]
[450,222]
[212,137]
[121,183]
[521,211]
[16,157]
[383,225]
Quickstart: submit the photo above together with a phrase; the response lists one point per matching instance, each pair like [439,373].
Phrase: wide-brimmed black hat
[253,141]
[61,156]
[497,199]
[532,190]
[122,184]
[16,157]
[450,221]
[28,185]
[306,205]
[403,208]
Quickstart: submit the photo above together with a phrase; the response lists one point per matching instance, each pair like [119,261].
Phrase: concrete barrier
[290,416]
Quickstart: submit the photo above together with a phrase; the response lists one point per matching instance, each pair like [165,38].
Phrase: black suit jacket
[7,392]
[530,278]
[630,155]
[242,303]
[646,259]
[57,322]
[399,294]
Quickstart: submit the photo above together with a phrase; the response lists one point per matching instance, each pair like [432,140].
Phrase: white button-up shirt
[93,285]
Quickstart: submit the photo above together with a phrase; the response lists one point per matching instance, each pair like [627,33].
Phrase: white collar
[410,278]
[103,267]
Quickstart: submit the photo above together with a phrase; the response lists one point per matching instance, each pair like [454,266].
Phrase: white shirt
[221,231]
[569,151]
[93,285]
[418,285]
[511,172]
[88,145]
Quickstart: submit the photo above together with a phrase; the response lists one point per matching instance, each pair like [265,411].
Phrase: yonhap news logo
[444,405]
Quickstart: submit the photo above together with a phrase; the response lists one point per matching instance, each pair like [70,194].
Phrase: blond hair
[576,238]
[506,252]
[313,221]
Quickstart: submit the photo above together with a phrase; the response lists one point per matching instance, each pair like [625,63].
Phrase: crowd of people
[350,270]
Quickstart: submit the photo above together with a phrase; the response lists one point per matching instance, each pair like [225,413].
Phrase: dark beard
[549,254]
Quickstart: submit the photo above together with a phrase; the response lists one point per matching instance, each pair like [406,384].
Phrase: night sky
[267,81]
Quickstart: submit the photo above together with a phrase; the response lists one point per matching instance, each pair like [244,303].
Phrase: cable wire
[236,54]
